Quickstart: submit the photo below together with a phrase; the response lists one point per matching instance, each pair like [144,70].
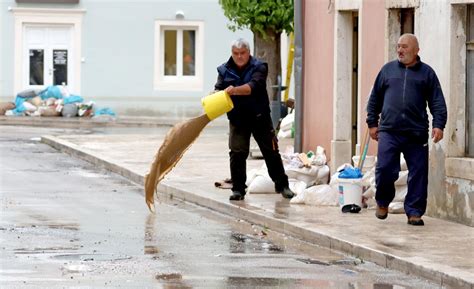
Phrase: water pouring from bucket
[178,140]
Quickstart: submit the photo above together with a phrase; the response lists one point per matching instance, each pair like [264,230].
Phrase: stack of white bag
[286,126]
[401,187]
[316,192]
[308,177]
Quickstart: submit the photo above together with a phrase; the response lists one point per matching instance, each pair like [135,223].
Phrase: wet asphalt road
[67,224]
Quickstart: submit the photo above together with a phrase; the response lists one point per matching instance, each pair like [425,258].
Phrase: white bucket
[350,192]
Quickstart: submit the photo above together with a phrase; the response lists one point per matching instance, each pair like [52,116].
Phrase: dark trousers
[239,145]
[414,146]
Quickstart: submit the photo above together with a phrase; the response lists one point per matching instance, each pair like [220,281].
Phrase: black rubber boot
[286,193]
[237,196]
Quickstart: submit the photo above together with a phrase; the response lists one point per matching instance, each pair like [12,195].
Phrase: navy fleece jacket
[400,96]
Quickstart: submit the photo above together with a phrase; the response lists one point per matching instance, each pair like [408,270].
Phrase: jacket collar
[231,64]
[416,66]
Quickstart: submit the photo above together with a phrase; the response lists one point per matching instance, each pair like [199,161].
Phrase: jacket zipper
[404,88]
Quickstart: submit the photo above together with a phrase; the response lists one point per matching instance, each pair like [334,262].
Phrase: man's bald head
[407,49]
[410,38]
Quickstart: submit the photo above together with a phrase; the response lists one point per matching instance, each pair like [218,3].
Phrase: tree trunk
[268,50]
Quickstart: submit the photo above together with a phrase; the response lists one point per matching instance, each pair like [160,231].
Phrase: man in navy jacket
[244,79]
[398,120]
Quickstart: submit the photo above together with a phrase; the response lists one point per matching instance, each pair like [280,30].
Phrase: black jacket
[400,96]
[247,107]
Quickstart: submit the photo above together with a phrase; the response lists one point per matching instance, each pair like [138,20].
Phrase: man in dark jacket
[402,90]
[244,79]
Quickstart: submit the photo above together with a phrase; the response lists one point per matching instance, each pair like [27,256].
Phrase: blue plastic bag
[350,173]
[73,99]
[104,111]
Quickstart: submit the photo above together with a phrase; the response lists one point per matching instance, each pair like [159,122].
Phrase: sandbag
[321,195]
[69,110]
[402,179]
[4,106]
[307,175]
[296,186]
[48,111]
[261,184]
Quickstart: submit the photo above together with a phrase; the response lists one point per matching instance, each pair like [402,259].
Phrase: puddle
[91,257]
[50,225]
[169,276]
[47,250]
[241,243]
[313,262]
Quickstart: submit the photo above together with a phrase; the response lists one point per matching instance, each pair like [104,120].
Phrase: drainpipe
[299,77]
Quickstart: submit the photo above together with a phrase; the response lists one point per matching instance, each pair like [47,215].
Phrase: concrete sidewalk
[441,251]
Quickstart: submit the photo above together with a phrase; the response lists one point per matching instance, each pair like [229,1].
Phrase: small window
[36,67]
[60,67]
[178,55]
[407,20]
[399,22]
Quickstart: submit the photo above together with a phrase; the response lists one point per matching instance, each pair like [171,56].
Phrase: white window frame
[178,82]
[25,16]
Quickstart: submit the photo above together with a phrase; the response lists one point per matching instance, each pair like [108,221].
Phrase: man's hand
[437,134]
[244,89]
[230,89]
[374,132]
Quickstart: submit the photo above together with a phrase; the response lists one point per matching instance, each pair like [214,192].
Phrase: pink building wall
[372,46]
[318,75]
[319,33]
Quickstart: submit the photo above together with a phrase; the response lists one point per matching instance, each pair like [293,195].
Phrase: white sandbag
[296,186]
[369,202]
[369,163]
[368,179]
[396,208]
[251,176]
[291,160]
[29,107]
[402,178]
[400,193]
[334,179]
[261,184]
[284,134]
[323,175]
[369,193]
[319,158]
[307,175]
[48,111]
[36,101]
[287,122]
[321,195]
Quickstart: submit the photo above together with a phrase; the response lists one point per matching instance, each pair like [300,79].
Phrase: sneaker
[237,196]
[286,193]
[381,212]
[415,221]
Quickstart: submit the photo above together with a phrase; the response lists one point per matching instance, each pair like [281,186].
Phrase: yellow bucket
[217,104]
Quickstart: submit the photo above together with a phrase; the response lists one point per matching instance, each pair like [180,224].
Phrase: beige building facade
[346,42]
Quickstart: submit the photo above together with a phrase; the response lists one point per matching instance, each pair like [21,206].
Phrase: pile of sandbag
[308,175]
[54,100]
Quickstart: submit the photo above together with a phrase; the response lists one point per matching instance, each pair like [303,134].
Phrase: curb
[87,122]
[418,267]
